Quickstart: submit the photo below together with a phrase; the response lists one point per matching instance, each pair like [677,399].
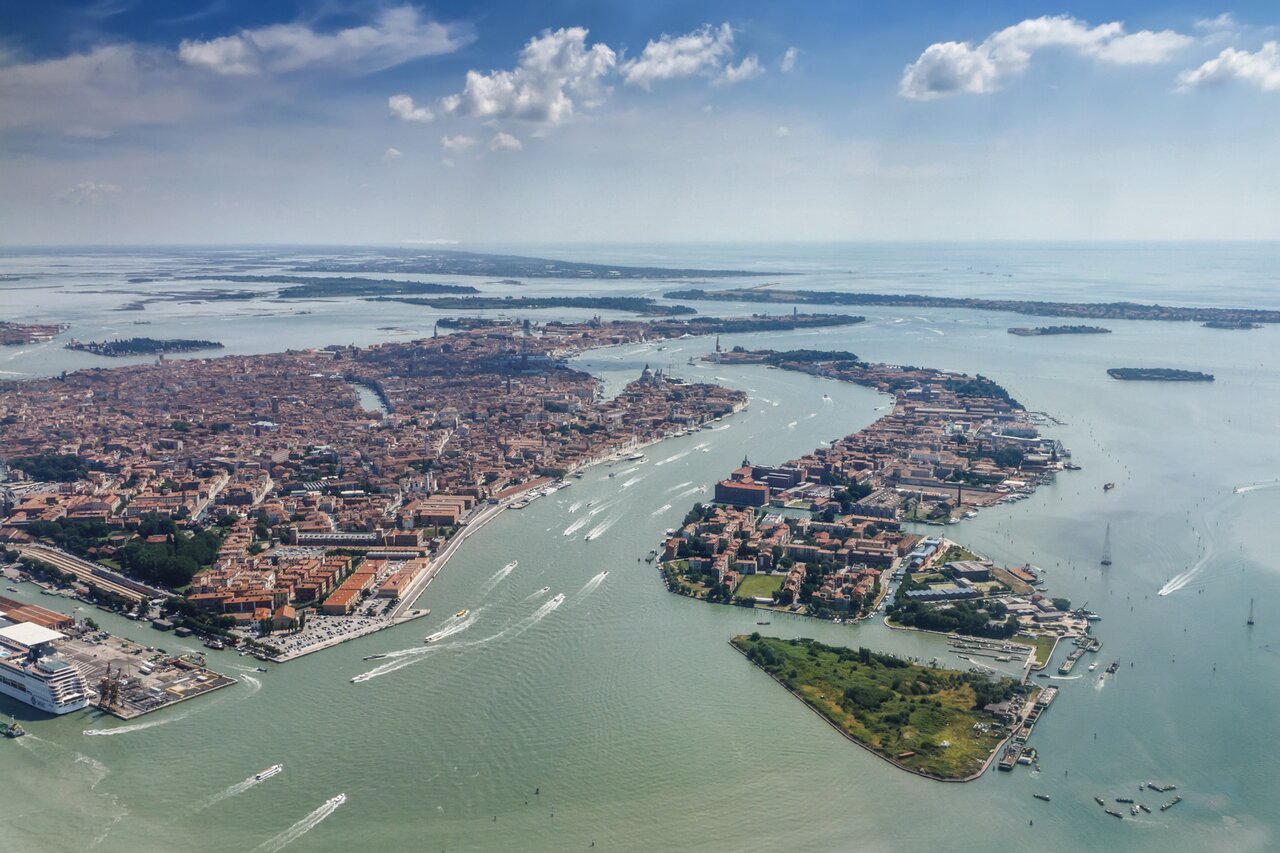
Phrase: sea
[618,717]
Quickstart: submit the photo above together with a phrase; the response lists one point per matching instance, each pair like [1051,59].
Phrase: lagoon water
[624,707]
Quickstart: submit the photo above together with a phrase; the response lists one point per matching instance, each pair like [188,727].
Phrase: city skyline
[456,123]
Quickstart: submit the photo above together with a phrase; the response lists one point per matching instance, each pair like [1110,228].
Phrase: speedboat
[461,614]
[268,773]
[336,801]
[374,657]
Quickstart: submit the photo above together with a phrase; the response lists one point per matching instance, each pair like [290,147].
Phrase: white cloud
[1224,21]
[87,192]
[788,63]
[703,51]
[948,68]
[403,107]
[396,35]
[744,70]
[391,154]
[1260,68]
[504,142]
[782,132]
[556,71]
[459,142]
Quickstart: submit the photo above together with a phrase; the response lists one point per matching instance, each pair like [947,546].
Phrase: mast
[1250,622]
[1106,548]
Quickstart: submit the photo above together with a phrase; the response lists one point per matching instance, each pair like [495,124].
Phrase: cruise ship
[31,670]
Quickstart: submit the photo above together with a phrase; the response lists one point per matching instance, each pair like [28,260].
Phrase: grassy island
[1158,374]
[1042,331]
[924,719]
[142,346]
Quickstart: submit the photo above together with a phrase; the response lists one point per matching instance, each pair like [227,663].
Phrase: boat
[1133,810]
[260,669]
[1106,548]
[1144,808]
[374,657]
[1127,800]
[1010,756]
[1161,788]
[1249,621]
[11,588]
[268,773]
[1099,801]
[1171,804]
[1093,666]
[1112,667]
[214,643]
[32,671]
[1044,797]
[14,730]
[1114,813]
[763,622]
[544,589]
[634,457]
[336,801]
[461,614]
[1106,487]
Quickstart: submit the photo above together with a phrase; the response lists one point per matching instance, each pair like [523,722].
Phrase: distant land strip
[308,287]
[1092,310]
[509,266]
[633,304]
[1042,331]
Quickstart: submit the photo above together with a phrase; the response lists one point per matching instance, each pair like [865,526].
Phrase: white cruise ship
[32,671]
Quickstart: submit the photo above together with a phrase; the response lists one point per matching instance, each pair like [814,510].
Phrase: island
[141,346]
[928,720]
[325,287]
[1158,374]
[14,334]
[1237,325]
[1091,310]
[632,304]
[452,262]
[1041,331]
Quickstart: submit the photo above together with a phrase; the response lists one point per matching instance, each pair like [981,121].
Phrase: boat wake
[589,587]
[682,454]
[575,506]
[577,525]
[680,485]
[302,827]
[631,470]
[1066,677]
[601,509]
[537,594]
[498,577]
[1253,487]
[629,483]
[603,526]
[792,425]
[724,427]
[689,491]
[233,790]
[453,625]
[661,509]
[136,727]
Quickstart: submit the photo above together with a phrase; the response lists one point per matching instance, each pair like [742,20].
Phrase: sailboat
[1106,548]
[1250,622]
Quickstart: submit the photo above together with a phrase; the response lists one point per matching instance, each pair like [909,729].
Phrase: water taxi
[268,773]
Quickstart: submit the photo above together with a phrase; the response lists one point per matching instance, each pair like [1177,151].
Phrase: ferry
[268,773]
[461,614]
[33,672]
[635,457]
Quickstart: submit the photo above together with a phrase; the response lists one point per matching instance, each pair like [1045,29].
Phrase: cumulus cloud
[504,142]
[403,107]
[391,154]
[395,35]
[788,63]
[87,192]
[1259,68]
[782,132]
[703,51]
[1224,21]
[744,70]
[948,68]
[460,142]
[556,72]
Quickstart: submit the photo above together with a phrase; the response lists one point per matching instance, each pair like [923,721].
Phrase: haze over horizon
[231,122]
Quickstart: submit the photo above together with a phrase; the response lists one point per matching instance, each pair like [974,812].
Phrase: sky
[398,123]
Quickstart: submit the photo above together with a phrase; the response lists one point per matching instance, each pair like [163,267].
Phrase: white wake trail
[688,492]
[603,526]
[589,587]
[672,458]
[233,790]
[629,483]
[680,485]
[300,828]
[577,525]
[575,506]
[498,577]
[661,509]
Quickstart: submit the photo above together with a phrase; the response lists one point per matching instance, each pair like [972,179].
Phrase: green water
[643,730]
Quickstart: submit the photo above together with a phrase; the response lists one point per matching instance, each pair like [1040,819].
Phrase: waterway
[641,729]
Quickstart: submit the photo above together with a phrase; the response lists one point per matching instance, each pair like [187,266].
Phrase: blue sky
[393,122]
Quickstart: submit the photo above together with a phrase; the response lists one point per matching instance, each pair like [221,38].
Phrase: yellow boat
[461,614]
